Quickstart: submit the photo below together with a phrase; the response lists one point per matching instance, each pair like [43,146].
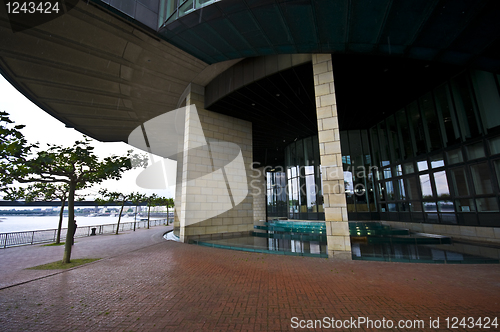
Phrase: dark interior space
[282,107]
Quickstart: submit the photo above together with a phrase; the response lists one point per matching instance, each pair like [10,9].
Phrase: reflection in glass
[481,178]
[488,204]
[441,183]
[487,97]
[497,170]
[417,126]
[475,151]
[389,190]
[399,170]
[446,114]
[416,206]
[392,207]
[409,168]
[411,188]
[437,161]
[430,207]
[455,156]
[465,205]
[387,173]
[402,194]
[425,185]
[445,206]
[495,145]
[429,114]
[404,130]
[422,165]
[464,106]
[459,180]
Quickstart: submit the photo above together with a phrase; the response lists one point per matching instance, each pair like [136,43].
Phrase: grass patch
[59,265]
[53,244]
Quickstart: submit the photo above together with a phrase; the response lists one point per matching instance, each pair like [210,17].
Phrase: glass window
[445,206]
[416,206]
[429,115]
[497,169]
[465,205]
[411,188]
[430,207]
[186,8]
[446,114]
[441,183]
[422,165]
[402,194]
[459,180]
[404,130]
[409,168]
[437,161]
[387,173]
[417,127]
[475,151]
[389,190]
[375,146]
[392,207]
[398,170]
[488,204]
[425,184]
[465,107]
[495,145]
[384,143]
[488,100]
[481,177]
[392,131]
[455,156]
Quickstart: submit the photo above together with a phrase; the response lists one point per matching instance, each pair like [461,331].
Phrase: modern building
[338,110]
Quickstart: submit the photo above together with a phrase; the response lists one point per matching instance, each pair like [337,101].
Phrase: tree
[167,202]
[113,196]
[74,166]
[151,201]
[41,192]
[136,199]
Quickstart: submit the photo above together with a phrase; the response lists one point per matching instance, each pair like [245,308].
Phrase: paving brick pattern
[170,286]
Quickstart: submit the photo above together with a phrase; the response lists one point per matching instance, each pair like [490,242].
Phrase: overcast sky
[43,128]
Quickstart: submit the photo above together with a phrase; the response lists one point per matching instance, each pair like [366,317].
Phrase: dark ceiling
[460,32]
[282,107]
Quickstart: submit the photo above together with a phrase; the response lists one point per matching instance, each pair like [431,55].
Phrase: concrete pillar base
[340,254]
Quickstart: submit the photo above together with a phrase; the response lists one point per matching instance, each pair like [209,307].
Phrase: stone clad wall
[331,157]
[216,197]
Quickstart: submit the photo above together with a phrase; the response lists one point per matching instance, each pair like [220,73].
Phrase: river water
[10,224]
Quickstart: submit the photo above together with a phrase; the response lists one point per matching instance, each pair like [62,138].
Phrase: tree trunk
[167,215]
[71,223]
[120,217]
[149,209]
[61,213]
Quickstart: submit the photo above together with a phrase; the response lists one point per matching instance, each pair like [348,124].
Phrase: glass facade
[437,160]
[440,163]
[170,10]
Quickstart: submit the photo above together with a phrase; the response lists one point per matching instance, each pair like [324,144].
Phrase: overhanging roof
[464,32]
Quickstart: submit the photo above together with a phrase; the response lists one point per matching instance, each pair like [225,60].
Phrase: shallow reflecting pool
[369,241]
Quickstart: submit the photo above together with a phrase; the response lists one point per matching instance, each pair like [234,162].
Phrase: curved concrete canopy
[97,72]
[450,31]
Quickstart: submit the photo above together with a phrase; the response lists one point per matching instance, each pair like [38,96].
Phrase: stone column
[215,197]
[339,243]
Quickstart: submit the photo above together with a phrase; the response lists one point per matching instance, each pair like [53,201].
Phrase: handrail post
[5,244]
[32,237]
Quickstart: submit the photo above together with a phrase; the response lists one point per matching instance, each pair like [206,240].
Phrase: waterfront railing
[49,235]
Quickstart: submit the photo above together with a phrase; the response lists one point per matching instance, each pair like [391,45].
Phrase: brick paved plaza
[145,283]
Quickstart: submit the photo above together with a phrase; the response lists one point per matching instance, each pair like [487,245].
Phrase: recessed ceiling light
[253,104]
[277,95]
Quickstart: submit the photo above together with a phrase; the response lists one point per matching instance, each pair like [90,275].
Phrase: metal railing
[49,235]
